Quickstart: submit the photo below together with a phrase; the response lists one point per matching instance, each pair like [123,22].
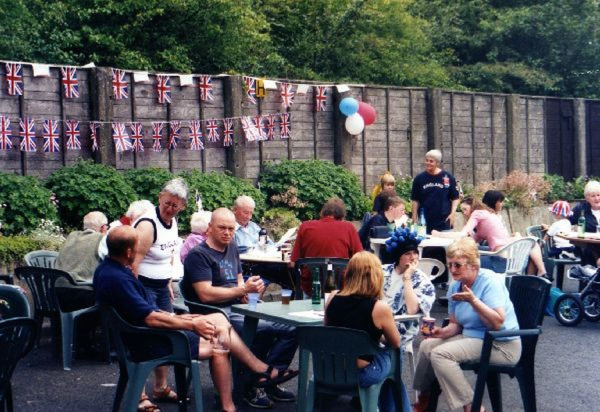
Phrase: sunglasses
[456,265]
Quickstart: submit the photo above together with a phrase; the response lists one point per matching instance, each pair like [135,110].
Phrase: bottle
[316,287]
[262,239]
[581,226]
[330,280]
[422,227]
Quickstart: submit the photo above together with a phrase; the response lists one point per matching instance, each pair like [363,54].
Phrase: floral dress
[393,289]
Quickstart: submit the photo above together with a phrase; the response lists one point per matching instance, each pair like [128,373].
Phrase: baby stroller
[571,308]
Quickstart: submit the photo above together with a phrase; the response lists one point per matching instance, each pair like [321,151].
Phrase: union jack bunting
[270,126]
[174,134]
[163,87]
[206,88]
[72,133]
[119,84]
[258,122]
[120,137]
[157,130]
[227,132]
[137,134]
[14,79]
[5,131]
[212,131]
[250,88]
[94,135]
[196,135]
[27,134]
[320,98]
[286,91]
[69,82]
[250,131]
[51,136]
[285,126]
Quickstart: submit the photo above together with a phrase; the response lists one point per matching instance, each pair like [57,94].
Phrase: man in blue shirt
[246,231]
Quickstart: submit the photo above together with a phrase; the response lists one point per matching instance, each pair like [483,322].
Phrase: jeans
[495,263]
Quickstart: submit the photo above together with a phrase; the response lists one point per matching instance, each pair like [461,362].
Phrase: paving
[566,377]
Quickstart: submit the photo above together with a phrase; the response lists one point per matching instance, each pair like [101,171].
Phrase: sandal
[167,394]
[146,406]
[263,379]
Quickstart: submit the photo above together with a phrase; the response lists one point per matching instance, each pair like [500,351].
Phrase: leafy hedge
[305,185]
[24,202]
[147,183]
[13,248]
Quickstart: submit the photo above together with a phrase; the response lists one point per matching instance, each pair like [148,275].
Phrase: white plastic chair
[426,265]
[41,259]
[516,255]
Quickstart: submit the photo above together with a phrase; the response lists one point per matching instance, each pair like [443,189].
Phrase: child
[561,248]
[383,191]
[199,224]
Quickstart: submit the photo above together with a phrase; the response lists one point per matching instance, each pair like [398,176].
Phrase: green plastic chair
[134,373]
[334,365]
[13,303]
[194,304]
[338,266]
[41,282]
[41,259]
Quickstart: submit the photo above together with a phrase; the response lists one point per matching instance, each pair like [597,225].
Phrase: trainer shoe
[277,393]
[257,398]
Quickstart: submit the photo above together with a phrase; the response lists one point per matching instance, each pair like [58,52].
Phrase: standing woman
[158,243]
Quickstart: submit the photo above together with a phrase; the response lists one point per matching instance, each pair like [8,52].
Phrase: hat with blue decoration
[401,241]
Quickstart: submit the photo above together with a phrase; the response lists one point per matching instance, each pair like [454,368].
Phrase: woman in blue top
[478,301]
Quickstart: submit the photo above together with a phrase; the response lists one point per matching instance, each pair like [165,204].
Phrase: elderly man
[435,192]
[246,231]
[117,286]
[212,271]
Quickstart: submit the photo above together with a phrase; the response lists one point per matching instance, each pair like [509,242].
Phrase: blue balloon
[349,106]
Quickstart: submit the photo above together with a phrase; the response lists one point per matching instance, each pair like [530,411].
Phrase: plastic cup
[286,296]
[253,300]
[427,325]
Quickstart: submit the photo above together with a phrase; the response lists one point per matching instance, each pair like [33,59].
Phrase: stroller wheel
[568,310]
[591,305]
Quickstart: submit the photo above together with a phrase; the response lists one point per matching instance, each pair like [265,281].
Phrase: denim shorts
[159,295]
[376,371]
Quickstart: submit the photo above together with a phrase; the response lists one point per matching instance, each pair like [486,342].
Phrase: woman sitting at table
[591,211]
[358,306]
[478,301]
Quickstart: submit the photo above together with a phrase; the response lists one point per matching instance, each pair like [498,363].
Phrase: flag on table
[72,133]
[320,98]
[227,132]
[94,135]
[5,131]
[196,135]
[258,122]
[270,126]
[206,88]
[250,131]
[51,136]
[285,126]
[69,82]
[163,87]
[14,79]
[27,133]
[119,84]
[174,134]
[250,83]
[137,134]
[157,130]
[286,91]
[212,131]
[120,137]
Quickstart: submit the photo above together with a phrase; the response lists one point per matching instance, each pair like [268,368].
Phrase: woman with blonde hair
[384,190]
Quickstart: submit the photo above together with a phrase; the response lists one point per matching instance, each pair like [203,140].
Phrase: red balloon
[367,112]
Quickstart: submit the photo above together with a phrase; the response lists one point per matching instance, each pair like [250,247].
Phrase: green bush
[86,186]
[217,190]
[24,202]
[304,186]
[147,183]
[404,190]
[278,221]
[13,248]
[559,189]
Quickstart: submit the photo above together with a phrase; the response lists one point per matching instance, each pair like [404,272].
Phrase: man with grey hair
[246,231]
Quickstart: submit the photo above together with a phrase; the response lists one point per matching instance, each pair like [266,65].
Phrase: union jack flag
[119,84]
[174,134]
[51,136]
[285,126]
[270,126]
[320,98]
[258,122]
[157,130]
[137,134]
[120,137]
[72,133]
[163,87]
[250,131]
[94,135]
[27,133]
[14,79]
[227,132]
[5,131]
[286,91]
[69,82]
[250,88]
[212,128]
[206,88]
[196,135]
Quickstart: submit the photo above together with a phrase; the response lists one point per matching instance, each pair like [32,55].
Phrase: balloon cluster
[402,238]
[360,114]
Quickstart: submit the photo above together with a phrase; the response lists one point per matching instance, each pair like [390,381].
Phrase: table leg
[239,373]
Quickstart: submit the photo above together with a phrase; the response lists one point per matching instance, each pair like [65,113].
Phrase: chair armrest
[8,279]
[510,333]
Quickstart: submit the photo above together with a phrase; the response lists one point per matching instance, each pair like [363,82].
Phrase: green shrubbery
[147,183]
[279,220]
[13,248]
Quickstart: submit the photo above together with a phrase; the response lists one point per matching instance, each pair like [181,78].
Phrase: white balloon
[355,124]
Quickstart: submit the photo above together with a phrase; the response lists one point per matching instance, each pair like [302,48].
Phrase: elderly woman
[478,301]
[199,224]
[591,211]
[158,243]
